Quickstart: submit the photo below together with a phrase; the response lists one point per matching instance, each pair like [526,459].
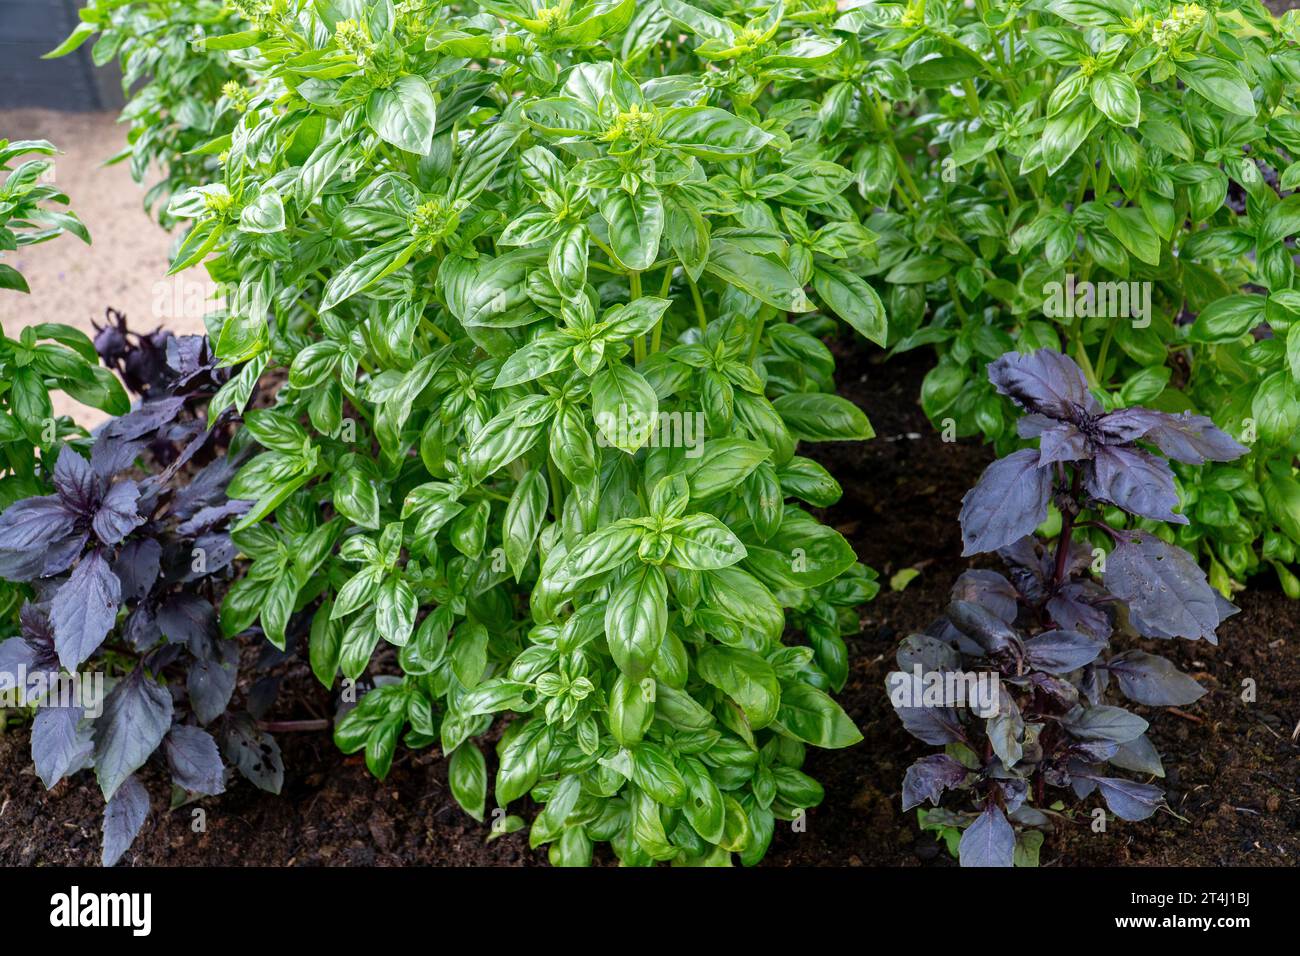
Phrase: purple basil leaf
[137,713]
[989,841]
[27,529]
[1140,756]
[1129,800]
[1083,787]
[110,455]
[194,760]
[1095,751]
[117,516]
[1044,381]
[931,725]
[77,485]
[218,551]
[186,618]
[84,609]
[929,652]
[1014,792]
[61,743]
[137,567]
[255,754]
[1153,680]
[38,632]
[61,554]
[1184,437]
[1094,682]
[211,681]
[1139,483]
[990,590]
[141,628]
[1063,443]
[929,777]
[1166,592]
[149,417]
[1056,688]
[212,515]
[1008,503]
[16,659]
[1059,652]
[985,628]
[187,355]
[1105,722]
[1076,607]
[208,488]
[1032,425]
[196,437]
[123,817]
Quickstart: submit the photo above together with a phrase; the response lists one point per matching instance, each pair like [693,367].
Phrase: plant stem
[1067,532]
[638,344]
[700,316]
[556,488]
[293,726]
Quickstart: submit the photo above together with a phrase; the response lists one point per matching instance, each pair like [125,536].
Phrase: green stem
[638,343]
[1105,348]
[973,100]
[956,300]
[700,316]
[553,474]
[877,114]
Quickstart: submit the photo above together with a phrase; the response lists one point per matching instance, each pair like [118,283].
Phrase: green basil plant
[1105,177]
[550,284]
[181,94]
[43,356]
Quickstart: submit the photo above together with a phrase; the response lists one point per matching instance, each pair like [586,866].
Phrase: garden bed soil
[1232,766]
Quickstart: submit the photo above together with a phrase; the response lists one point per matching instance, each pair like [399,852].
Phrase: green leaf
[404,114]
[636,619]
[1116,95]
[1131,228]
[808,714]
[636,224]
[467,777]
[523,521]
[1066,132]
[803,554]
[626,408]
[744,677]
[723,465]
[1219,82]
[80,34]
[815,416]
[1229,318]
[395,610]
[853,300]
[264,215]
[11,278]
[1281,221]
[711,133]
[362,273]
[764,277]
[1276,408]
[703,543]
[325,645]
[469,653]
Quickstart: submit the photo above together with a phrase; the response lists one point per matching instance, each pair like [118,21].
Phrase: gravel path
[125,267]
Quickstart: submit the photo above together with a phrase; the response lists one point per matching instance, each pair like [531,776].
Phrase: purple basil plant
[123,567]
[1015,681]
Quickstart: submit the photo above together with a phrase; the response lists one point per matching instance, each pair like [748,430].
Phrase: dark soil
[1233,772]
